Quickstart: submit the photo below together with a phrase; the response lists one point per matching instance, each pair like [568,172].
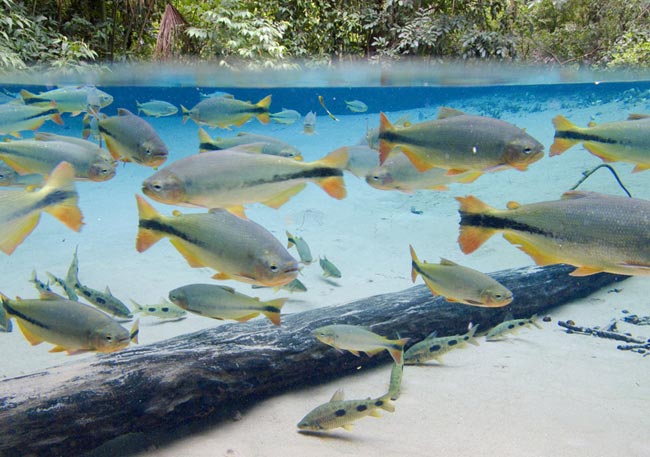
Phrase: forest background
[71,34]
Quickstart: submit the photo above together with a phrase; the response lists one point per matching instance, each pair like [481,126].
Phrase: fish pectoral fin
[14,232]
[113,146]
[57,349]
[221,276]
[284,196]
[375,413]
[540,258]
[586,271]
[456,171]
[192,258]
[348,427]
[641,167]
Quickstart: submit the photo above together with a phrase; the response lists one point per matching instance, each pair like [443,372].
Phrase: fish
[223,112]
[309,124]
[301,246]
[237,248]
[162,310]
[356,339]
[593,232]
[71,326]
[329,269]
[434,346]
[372,135]
[40,156]
[222,302]
[361,160]
[460,142]
[460,284]
[15,118]
[70,99]
[510,325]
[5,322]
[20,209]
[231,178]
[216,93]
[294,286]
[321,100]
[286,116]
[67,286]
[132,139]
[356,106]
[339,412]
[259,143]
[156,108]
[395,383]
[9,177]
[40,285]
[105,300]
[619,141]
[398,173]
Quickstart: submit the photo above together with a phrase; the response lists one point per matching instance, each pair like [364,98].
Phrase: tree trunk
[71,409]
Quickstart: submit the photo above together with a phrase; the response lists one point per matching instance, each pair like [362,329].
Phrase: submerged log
[73,408]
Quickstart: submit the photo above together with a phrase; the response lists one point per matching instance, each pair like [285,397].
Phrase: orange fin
[541,258]
[471,238]
[58,349]
[334,186]
[397,350]
[562,124]
[414,262]
[338,158]
[473,205]
[384,146]
[146,238]
[237,210]
[421,164]
[221,276]
[284,196]
[192,258]
[29,336]
[586,271]
[67,211]
[456,171]
[641,167]
[600,151]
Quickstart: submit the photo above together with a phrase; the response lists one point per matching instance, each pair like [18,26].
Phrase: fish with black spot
[342,413]
[433,346]
[511,325]
[163,310]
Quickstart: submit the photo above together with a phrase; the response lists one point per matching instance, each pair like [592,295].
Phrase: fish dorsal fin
[444,112]
[513,205]
[230,290]
[573,194]
[447,262]
[637,116]
[49,295]
[339,395]
[108,291]
[124,112]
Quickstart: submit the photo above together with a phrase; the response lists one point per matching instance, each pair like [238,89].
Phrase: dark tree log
[73,408]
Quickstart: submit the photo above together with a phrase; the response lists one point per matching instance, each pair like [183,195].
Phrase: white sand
[540,393]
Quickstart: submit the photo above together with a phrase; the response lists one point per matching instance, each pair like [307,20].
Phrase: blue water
[367,234]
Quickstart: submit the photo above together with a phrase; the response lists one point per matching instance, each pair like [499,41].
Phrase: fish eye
[528,150]
[109,338]
[273,268]
[156,186]
[375,178]
[498,296]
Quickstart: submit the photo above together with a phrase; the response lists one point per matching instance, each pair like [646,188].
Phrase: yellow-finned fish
[286,116]
[15,118]
[70,99]
[372,135]
[232,178]
[395,382]
[358,339]
[263,144]
[594,232]
[69,325]
[221,302]
[621,141]
[460,142]
[398,173]
[163,310]
[339,412]
[433,346]
[132,139]
[20,209]
[329,269]
[362,159]
[156,108]
[223,112]
[460,284]
[237,248]
[309,124]
[356,106]
[301,245]
[511,325]
[9,177]
[42,154]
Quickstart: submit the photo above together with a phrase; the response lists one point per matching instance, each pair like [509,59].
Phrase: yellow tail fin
[384,146]
[562,124]
[272,309]
[67,211]
[146,237]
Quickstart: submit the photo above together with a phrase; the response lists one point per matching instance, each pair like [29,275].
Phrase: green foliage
[633,48]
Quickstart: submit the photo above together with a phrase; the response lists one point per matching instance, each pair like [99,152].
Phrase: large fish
[15,118]
[460,284]
[594,232]
[132,139]
[239,249]
[46,151]
[622,141]
[223,112]
[20,210]
[262,143]
[232,178]
[342,413]
[398,173]
[69,325]
[221,302]
[358,339]
[70,99]
[460,142]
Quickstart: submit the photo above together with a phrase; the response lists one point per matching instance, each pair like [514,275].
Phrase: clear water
[367,234]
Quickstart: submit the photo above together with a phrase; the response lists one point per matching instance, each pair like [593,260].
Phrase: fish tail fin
[338,158]
[397,349]
[72,277]
[67,211]
[56,117]
[265,104]
[334,185]
[534,320]
[146,238]
[28,97]
[272,309]
[471,334]
[204,139]
[562,124]
[414,262]
[186,114]
[289,238]
[472,237]
[384,146]
[135,332]
[386,403]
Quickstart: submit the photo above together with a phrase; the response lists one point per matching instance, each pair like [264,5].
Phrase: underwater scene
[230,265]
